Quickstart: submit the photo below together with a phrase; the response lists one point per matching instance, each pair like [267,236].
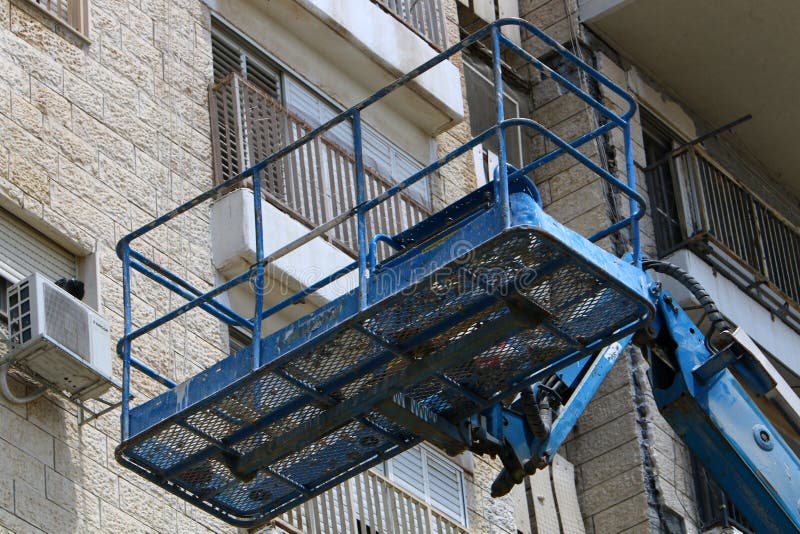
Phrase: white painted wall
[771,333]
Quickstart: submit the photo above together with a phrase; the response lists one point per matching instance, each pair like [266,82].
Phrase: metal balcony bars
[708,204]
[314,182]
[425,17]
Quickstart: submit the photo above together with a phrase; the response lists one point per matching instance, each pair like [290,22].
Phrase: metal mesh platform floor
[457,341]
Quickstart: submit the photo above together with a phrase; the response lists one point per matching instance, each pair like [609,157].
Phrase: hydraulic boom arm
[728,404]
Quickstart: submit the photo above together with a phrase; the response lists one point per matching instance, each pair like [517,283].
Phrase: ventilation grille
[66,321]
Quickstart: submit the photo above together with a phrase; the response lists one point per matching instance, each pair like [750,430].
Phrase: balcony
[425,17]
[367,503]
[314,183]
[697,205]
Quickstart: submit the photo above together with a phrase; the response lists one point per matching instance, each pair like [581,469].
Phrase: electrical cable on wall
[4,389]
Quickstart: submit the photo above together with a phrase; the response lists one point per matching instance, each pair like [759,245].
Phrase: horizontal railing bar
[175,284]
[310,289]
[610,178]
[152,374]
[580,93]
[399,82]
[177,312]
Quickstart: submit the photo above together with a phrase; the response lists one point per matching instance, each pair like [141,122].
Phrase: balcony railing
[698,204]
[314,183]
[426,17]
[367,504]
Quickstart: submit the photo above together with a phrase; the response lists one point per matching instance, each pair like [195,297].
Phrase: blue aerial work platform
[478,302]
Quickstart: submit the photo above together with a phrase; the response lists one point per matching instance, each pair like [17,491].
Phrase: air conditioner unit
[58,338]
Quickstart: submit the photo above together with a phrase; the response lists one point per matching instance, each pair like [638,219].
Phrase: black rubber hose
[718,322]
[538,414]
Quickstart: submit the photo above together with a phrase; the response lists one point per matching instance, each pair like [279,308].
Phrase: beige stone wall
[96,139]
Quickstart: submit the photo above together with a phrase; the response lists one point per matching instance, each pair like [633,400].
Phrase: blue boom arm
[714,399]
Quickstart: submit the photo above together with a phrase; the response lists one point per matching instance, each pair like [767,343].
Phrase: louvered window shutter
[407,470]
[431,477]
[445,484]
[25,251]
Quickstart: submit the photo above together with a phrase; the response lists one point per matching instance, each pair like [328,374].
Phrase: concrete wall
[96,139]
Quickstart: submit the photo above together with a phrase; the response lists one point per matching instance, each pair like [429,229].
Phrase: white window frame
[427,452]
[75,18]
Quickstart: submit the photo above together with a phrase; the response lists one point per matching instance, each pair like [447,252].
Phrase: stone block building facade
[106,123]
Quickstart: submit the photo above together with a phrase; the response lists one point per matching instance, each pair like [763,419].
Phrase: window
[431,477]
[238,339]
[713,505]
[24,251]
[74,14]
[479,82]
[233,53]
[661,184]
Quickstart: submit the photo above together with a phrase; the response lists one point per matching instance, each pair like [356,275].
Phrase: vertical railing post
[439,14]
[258,283]
[361,215]
[126,350]
[630,170]
[758,235]
[502,177]
[698,193]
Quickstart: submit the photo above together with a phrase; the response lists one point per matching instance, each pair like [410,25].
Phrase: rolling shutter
[26,251]
[407,470]
[231,53]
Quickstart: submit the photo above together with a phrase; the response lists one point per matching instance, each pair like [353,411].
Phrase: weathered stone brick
[87,469]
[62,51]
[26,436]
[26,114]
[53,105]
[612,491]
[115,520]
[623,515]
[29,177]
[80,93]
[11,524]
[72,497]
[19,465]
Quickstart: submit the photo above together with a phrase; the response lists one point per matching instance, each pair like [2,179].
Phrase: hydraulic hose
[718,322]
[538,414]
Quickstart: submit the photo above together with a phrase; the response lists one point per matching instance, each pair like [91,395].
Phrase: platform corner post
[502,177]
[126,344]
[257,277]
[361,215]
